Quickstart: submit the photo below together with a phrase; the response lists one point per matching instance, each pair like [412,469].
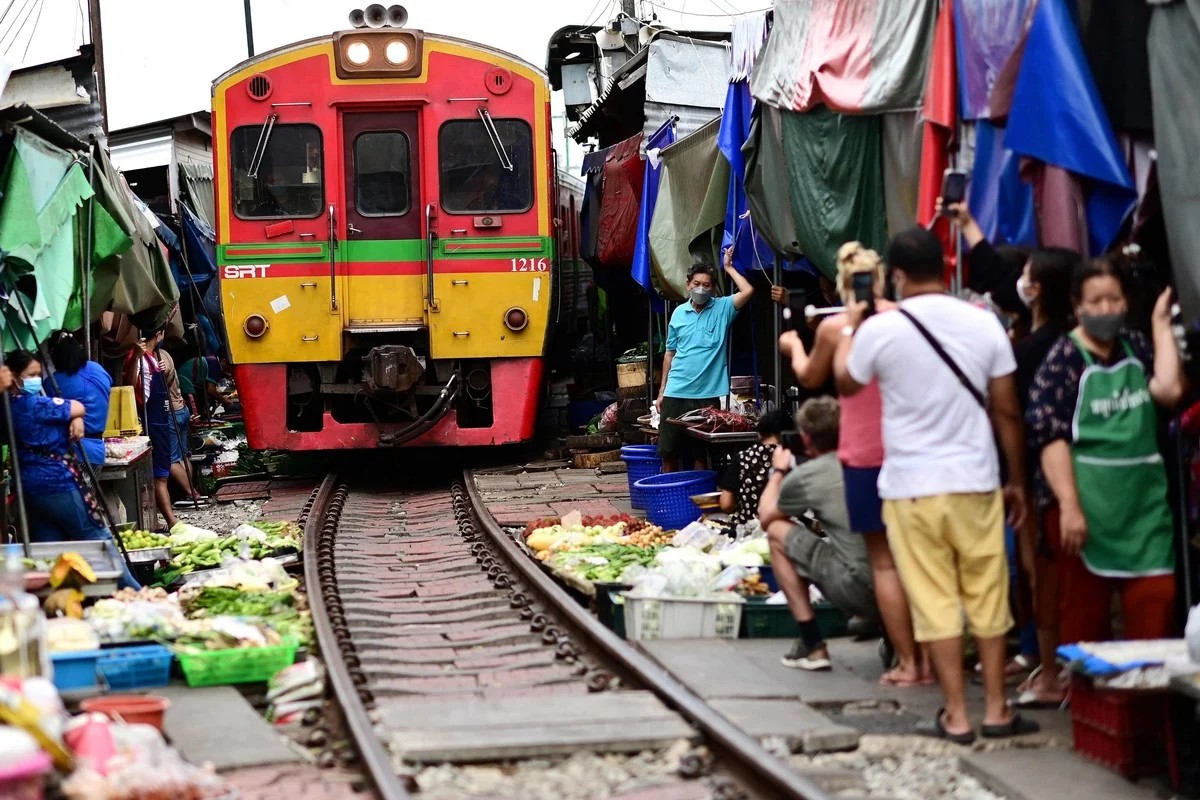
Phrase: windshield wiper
[494,135]
[260,149]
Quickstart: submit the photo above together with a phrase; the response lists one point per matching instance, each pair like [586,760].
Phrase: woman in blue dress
[59,505]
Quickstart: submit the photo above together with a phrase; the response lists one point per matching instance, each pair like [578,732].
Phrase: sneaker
[798,658]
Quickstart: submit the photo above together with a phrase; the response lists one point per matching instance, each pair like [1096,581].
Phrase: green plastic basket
[236,665]
[761,620]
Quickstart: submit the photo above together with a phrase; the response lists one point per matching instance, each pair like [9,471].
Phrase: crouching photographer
[806,475]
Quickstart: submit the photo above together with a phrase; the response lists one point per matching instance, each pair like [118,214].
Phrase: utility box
[577,84]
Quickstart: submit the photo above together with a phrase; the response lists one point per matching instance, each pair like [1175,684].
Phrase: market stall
[647,582]
[224,610]
[127,480]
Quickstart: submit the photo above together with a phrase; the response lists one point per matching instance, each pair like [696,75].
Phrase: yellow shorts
[950,552]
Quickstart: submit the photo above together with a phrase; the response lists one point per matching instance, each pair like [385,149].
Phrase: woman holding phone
[860,449]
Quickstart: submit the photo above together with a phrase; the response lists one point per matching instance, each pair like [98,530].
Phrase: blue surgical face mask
[32,385]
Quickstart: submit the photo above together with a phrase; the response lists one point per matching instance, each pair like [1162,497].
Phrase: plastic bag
[728,578]
[249,533]
[696,535]
[184,533]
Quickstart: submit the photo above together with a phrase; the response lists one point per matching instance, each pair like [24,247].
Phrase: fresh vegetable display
[215,601]
[213,553]
[278,610]
[282,529]
[142,540]
[602,563]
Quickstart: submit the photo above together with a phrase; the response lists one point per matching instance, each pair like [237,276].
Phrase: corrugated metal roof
[78,112]
[687,79]
[684,77]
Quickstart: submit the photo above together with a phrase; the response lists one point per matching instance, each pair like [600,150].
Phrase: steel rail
[373,754]
[759,770]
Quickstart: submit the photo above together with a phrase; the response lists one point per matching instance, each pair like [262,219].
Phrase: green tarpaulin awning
[690,209]
[139,278]
[44,188]
[835,178]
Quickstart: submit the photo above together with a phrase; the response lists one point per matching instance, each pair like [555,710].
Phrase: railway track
[444,643]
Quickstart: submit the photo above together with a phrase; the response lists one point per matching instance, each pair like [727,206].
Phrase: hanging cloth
[835,175]
[43,190]
[661,138]
[1063,123]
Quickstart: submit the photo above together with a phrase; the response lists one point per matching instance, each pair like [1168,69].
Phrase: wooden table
[130,483]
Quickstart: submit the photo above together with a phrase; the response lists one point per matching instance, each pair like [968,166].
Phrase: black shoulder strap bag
[941,351]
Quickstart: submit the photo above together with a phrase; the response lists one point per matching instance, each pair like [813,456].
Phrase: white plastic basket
[717,617]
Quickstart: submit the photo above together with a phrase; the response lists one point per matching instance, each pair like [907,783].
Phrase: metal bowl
[149,554]
[707,500]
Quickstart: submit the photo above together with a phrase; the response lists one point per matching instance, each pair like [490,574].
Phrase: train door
[383,251]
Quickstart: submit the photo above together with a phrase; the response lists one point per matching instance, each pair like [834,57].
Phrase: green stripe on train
[474,247]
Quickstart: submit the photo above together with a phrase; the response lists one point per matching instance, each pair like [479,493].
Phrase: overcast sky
[161,55]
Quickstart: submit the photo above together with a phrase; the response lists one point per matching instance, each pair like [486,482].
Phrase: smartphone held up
[954,188]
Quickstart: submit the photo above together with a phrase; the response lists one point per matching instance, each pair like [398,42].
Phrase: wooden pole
[98,56]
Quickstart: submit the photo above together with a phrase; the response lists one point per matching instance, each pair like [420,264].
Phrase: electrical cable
[14,27]
[662,7]
[32,33]
[8,8]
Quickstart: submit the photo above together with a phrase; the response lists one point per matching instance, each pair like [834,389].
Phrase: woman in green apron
[1092,413]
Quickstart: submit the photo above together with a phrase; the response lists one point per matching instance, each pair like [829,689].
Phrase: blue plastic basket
[75,669]
[669,497]
[640,465]
[138,667]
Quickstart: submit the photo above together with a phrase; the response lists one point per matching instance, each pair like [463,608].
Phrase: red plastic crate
[1123,730]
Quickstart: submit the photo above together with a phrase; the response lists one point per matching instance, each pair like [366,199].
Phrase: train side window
[381,174]
[472,178]
[287,179]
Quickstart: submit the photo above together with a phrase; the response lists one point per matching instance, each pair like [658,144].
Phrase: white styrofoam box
[717,617]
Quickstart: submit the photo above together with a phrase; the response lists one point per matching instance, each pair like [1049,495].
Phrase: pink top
[860,441]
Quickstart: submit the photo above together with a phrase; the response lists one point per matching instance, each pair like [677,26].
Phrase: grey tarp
[687,210]
[139,279]
[1175,87]
[852,57]
[835,173]
[198,180]
[685,78]
[767,183]
[901,168]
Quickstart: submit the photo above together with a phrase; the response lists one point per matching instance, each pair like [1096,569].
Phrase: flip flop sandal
[937,730]
[1017,726]
[886,679]
[1029,700]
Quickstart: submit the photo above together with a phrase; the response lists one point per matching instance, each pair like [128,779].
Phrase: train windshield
[474,179]
[381,173]
[285,179]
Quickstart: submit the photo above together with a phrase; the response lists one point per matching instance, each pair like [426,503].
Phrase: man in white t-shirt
[945,370]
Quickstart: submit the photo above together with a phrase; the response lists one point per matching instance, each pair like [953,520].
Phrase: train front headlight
[380,53]
[515,319]
[256,326]
[397,52]
[358,53]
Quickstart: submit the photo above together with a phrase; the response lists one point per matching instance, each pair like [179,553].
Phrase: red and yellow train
[386,239]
